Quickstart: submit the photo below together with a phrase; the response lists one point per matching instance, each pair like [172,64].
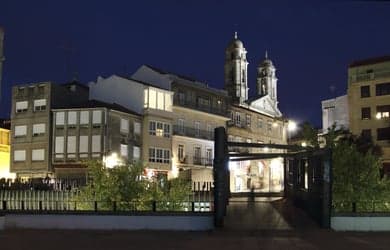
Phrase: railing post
[114,206]
[353,207]
[95,206]
[40,205]
[22,208]
[4,205]
[193,206]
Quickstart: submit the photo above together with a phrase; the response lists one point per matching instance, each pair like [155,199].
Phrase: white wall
[122,91]
[110,222]
[357,223]
[146,74]
[335,111]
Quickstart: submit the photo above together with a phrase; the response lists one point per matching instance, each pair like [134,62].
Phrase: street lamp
[292,126]
[112,160]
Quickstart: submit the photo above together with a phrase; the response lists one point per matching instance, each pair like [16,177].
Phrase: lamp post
[112,160]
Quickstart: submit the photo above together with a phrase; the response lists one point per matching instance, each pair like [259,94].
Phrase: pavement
[263,223]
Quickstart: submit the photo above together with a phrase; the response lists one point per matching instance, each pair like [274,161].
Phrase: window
[60,118]
[97,117]
[71,147]
[40,105]
[160,100]
[84,117]
[167,130]
[181,97]
[124,126]
[21,91]
[124,150]
[203,102]
[159,129]
[269,126]
[383,112]
[237,119]
[39,129]
[96,144]
[152,128]
[59,147]
[366,113]
[197,155]
[209,130]
[248,120]
[364,91]
[20,130]
[159,155]
[366,133]
[19,155]
[21,106]
[383,89]
[209,156]
[168,102]
[243,75]
[383,134]
[38,155]
[83,146]
[180,124]
[197,129]
[41,89]
[72,118]
[137,128]
[180,152]
[152,98]
[136,153]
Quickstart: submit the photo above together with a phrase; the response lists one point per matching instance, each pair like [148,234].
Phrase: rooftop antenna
[266,54]
[235,35]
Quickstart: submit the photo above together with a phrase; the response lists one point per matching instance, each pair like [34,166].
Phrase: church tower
[266,80]
[236,65]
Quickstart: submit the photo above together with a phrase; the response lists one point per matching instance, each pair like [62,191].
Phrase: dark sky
[310,42]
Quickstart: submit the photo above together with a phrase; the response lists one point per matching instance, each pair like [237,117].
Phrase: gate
[307,176]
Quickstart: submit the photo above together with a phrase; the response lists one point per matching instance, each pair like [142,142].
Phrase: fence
[32,200]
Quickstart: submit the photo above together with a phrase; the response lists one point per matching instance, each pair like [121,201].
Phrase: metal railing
[192,132]
[369,76]
[197,106]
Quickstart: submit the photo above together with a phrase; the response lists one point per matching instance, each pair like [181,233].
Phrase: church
[254,119]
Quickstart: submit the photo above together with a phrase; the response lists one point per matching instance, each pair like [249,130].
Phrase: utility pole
[1,57]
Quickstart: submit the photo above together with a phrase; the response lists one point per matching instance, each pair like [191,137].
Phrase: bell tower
[236,70]
[266,79]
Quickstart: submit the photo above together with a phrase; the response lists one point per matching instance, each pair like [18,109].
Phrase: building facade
[31,122]
[5,154]
[97,131]
[197,110]
[335,112]
[369,102]
[253,120]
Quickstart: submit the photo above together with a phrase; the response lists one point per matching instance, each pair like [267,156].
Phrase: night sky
[311,44]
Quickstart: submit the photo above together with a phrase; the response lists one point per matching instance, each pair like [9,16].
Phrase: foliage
[309,133]
[129,189]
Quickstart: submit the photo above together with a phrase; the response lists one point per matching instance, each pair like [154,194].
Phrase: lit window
[136,153]
[124,126]
[71,147]
[39,129]
[160,100]
[21,106]
[152,128]
[159,155]
[180,152]
[59,147]
[72,118]
[97,117]
[137,128]
[124,151]
[20,130]
[159,129]
[383,112]
[168,102]
[60,118]
[84,117]
[38,155]
[167,130]
[19,155]
[152,98]
[40,105]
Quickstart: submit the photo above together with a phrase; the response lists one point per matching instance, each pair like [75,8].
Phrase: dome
[267,62]
[236,43]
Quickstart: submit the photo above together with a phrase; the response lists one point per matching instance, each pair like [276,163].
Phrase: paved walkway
[264,224]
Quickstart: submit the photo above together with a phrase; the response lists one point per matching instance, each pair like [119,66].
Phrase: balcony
[194,160]
[370,76]
[241,124]
[197,106]
[192,132]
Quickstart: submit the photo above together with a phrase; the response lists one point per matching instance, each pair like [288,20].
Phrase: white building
[335,111]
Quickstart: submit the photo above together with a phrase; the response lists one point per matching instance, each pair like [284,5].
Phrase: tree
[128,188]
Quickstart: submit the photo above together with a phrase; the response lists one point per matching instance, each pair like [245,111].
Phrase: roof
[75,82]
[142,82]
[193,81]
[100,104]
[370,61]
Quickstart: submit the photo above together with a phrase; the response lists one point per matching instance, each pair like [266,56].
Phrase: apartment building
[94,131]
[369,102]
[154,103]
[335,112]
[254,120]
[31,121]
[197,110]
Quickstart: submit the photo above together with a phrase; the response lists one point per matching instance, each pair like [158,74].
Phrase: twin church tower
[236,79]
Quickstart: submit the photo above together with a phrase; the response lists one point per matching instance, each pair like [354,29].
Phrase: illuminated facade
[197,110]
[5,154]
[369,102]
[253,120]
